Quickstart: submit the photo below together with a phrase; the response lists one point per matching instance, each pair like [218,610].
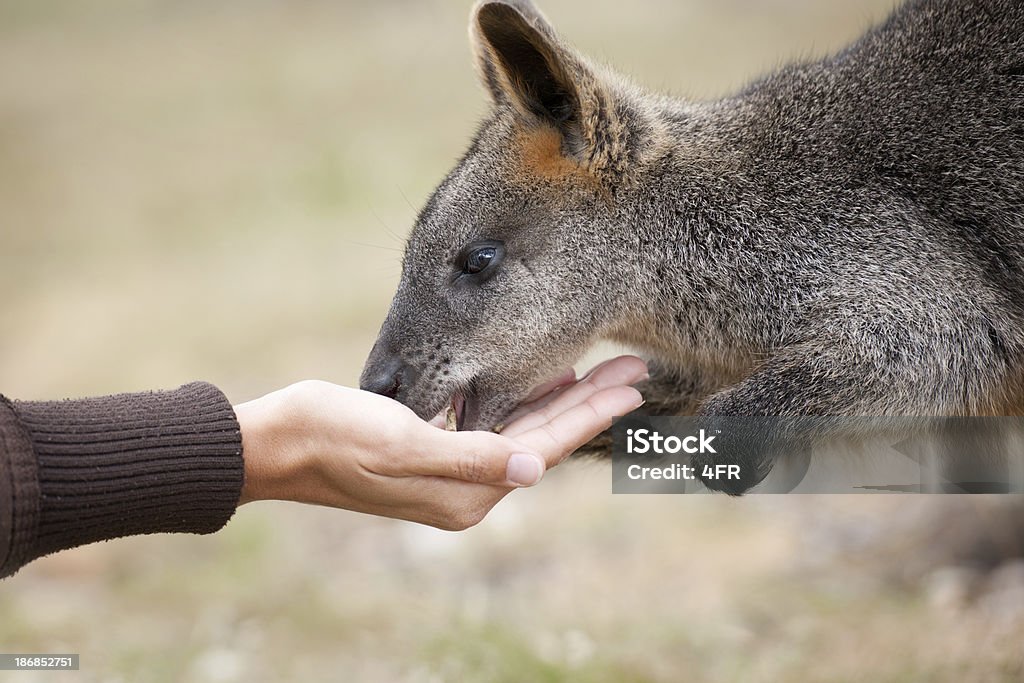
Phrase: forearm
[86,470]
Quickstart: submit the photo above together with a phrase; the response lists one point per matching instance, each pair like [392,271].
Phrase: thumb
[477,457]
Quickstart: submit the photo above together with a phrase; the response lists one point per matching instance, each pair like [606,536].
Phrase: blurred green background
[220,191]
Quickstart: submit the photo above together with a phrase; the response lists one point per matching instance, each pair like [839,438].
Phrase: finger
[543,394]
[476,457]
[621,370]
[564,433]
[539,401]
[624,370]
[564,376]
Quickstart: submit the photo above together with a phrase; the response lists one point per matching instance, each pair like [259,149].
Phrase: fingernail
[644,378]
[524,469]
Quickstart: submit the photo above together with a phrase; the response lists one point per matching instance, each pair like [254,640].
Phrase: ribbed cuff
[19,491]
[131,464]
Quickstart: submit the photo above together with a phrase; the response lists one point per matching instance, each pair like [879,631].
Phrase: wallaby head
[505,276]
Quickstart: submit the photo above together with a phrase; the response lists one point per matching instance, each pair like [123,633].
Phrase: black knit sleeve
[78,471]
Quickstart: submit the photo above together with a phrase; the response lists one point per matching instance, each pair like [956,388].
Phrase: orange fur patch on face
[542,158]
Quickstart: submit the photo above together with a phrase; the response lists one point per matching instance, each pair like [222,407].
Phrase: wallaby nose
[384,376]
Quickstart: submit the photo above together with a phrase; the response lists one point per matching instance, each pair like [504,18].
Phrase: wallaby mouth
[463,412]
[454,415]
[451,396]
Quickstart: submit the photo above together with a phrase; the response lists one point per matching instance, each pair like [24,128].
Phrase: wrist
[270,452]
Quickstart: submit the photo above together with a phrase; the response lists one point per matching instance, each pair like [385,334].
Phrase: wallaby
[841,237]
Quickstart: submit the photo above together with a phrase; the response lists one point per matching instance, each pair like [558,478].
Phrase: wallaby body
[842,237]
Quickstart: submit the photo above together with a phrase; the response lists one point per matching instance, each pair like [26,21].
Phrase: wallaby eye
[479,257]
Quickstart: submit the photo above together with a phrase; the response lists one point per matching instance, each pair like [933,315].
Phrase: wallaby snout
[386,373]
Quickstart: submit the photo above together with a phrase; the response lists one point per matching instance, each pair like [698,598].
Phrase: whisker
[374,246]
[415,211]
[384,225]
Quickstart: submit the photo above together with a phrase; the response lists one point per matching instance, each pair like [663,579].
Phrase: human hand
[319,443]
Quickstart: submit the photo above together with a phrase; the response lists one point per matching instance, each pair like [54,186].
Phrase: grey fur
[842,237]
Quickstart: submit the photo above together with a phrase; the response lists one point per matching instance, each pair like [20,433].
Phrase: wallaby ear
[519,60]
[523,64]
